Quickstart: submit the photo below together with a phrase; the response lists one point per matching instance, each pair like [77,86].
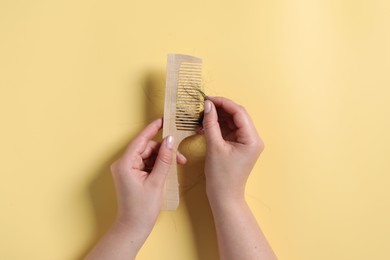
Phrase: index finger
[139,143]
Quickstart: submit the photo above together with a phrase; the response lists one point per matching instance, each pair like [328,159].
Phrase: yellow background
[79,79]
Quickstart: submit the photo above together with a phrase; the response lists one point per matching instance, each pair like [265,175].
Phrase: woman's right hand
[233,147]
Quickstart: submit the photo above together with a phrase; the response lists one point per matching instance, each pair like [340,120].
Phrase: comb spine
[171,195]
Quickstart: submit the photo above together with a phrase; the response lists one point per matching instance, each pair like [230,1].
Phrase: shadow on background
[153,85]
[101,188]
[103,199]
[193,198]
[191,178]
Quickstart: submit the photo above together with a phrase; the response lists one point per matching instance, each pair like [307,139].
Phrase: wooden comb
[182,110]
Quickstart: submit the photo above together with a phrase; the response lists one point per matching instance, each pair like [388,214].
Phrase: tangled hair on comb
[203,94]
[201,114]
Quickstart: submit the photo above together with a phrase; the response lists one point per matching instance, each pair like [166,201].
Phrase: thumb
[211,128]
[163,162]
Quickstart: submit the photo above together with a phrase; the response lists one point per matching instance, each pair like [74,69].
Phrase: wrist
[134,235]
[226,202]
[132,220]
[224,195]
[120,240]
[233,209]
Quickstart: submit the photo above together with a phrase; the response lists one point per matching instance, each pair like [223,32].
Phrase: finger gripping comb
[182,110]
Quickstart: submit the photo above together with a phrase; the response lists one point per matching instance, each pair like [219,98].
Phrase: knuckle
[209,120]
[241,109]
[117,167]
[259,145]
[208,124]
[114,166]
[115,170]
[165,158]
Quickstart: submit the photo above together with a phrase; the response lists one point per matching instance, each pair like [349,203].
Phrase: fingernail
[169,142]
[207,106]
[182,157]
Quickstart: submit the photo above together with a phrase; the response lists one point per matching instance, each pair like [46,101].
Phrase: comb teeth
[189,97]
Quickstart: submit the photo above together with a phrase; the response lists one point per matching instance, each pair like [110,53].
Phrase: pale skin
[233,147]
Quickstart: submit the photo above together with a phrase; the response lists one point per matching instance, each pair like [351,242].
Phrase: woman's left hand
[139,177]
